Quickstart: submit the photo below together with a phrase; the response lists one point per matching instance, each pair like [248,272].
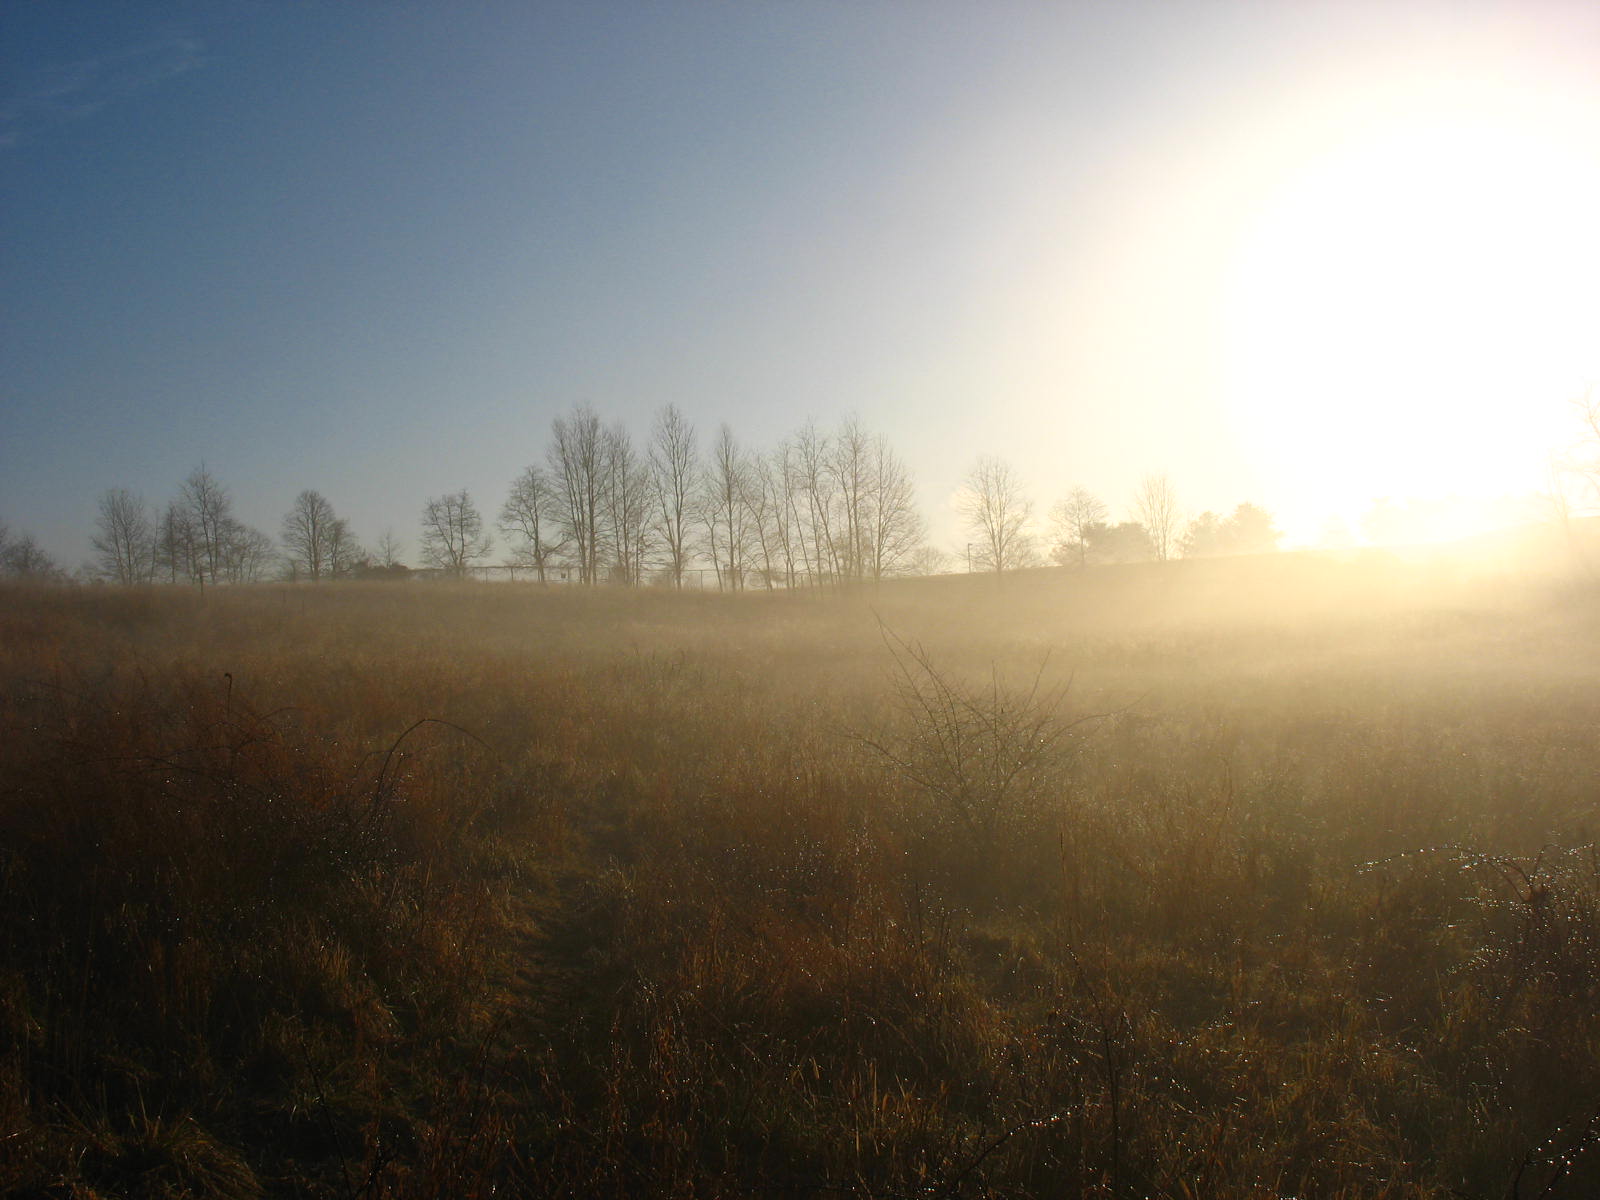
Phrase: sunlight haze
[805,598]
[1303,255]
[1425,287]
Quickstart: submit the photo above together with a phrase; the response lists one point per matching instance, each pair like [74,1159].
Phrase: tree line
[196,539]
[1000,518]
[822,507]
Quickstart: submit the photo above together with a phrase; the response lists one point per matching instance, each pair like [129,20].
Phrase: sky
[1303,255]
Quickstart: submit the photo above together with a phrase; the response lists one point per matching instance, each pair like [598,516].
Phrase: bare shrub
[987,766]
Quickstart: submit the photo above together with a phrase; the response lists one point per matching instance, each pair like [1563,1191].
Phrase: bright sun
[1414,306]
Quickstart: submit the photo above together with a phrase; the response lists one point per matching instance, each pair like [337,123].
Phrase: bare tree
[724,509]
[307,530]
[577,464]
[125,538]
[345,552]
[997,512]
[674,468]
[850,467]
[529,515]
[626,491]
[1580,463]
[387,551]
[764,502]
[813,450]
[200,540]
[22,558]
[26,559]
[178,555]
[788,481]
[209,509]
[1156,506]
[245,554]
[894,527]
[846,506]
[927,560]
[1071,521]
[452,533]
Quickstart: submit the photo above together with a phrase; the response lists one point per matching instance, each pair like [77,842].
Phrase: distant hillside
[1285,588]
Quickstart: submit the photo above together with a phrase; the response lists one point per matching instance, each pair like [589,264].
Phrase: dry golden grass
[412,890]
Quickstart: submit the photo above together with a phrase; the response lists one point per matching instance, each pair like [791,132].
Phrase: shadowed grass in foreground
[425,891]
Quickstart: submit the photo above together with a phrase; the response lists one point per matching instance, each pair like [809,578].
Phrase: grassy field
[1221,879]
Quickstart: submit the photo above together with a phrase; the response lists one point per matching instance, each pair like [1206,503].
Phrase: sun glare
[1412,309]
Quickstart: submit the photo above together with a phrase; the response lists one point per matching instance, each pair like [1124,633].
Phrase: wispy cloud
[62,93]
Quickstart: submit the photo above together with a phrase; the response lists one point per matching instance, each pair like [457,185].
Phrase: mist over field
[800,599]
[1245,877]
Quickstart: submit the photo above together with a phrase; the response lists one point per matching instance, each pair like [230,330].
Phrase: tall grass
[424,891]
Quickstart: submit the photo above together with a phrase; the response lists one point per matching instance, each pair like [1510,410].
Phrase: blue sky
[374,249]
